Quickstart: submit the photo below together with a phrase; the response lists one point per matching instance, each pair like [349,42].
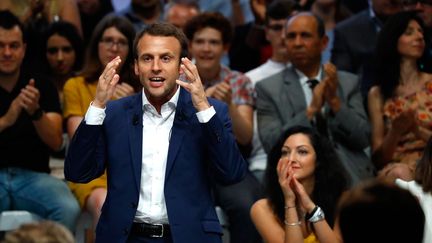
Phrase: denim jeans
[39,193]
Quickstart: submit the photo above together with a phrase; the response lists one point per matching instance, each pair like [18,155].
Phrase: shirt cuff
[205,115]
[94,115]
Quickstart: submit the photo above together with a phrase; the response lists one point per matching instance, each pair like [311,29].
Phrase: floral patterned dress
[410,148]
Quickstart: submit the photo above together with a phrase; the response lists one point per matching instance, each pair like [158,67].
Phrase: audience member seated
[275,18]
[142,13]
[355,40]
[421,187]
[30,125]
[424,9]
[304,180]
[63,54]
[377,212]
[178,13]
[209,36]
[399,104]
[112,37]
[331,12]
[40,232]
[311,94]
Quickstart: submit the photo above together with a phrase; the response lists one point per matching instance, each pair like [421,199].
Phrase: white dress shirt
[305,86]
[155,144]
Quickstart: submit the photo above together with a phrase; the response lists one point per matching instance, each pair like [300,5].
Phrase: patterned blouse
[241,86]
[410,148]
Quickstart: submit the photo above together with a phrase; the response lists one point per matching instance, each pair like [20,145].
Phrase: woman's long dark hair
[388,58]
[92,65]
[330,179]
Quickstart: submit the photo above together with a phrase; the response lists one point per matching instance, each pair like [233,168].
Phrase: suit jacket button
[125,231]
[133,205]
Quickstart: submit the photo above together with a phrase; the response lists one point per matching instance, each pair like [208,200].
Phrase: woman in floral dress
[400,105]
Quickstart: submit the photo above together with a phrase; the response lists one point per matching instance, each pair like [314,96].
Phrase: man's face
[304,45]
[179,14]
[207,48]
[12,50]
[424,7]
[158,66]
[274,31]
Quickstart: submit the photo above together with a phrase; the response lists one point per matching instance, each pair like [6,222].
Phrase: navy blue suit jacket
[198,152]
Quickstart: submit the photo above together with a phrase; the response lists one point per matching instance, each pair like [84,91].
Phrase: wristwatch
[37,115]
[317,215]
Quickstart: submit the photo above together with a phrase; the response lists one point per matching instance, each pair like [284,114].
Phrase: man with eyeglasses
[275,18]
[30,126]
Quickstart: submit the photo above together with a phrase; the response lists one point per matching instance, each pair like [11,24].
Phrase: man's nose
[60,55]
[156,65]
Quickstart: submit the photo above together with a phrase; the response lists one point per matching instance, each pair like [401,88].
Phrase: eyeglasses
[55,50]
[275,27]
[110,42]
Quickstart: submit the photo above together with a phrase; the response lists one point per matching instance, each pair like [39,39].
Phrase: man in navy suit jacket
[161,148]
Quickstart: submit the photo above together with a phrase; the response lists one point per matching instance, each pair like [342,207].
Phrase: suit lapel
[134,113]
[292,92]
[184,112]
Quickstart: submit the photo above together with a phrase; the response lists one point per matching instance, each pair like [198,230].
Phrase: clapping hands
[292,189]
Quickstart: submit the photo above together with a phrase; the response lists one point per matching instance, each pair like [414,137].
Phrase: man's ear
[136,67]
[324,42]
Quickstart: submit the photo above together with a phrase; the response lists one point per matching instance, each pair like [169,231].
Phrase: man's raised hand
[107,83]
[194,85]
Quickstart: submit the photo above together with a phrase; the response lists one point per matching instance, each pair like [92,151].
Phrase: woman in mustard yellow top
[302,169]
[112,37]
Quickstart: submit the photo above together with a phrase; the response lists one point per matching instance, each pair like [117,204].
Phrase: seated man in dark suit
[161,148]
[310,94]
[355,39]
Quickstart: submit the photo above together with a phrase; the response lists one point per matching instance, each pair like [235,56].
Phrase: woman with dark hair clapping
[303,171]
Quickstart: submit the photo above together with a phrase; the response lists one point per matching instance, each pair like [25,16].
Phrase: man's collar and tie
[303,79]
[319,119]
[312,83]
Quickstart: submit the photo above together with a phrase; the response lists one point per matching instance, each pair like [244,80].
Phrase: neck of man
[8,81]
[310,71]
